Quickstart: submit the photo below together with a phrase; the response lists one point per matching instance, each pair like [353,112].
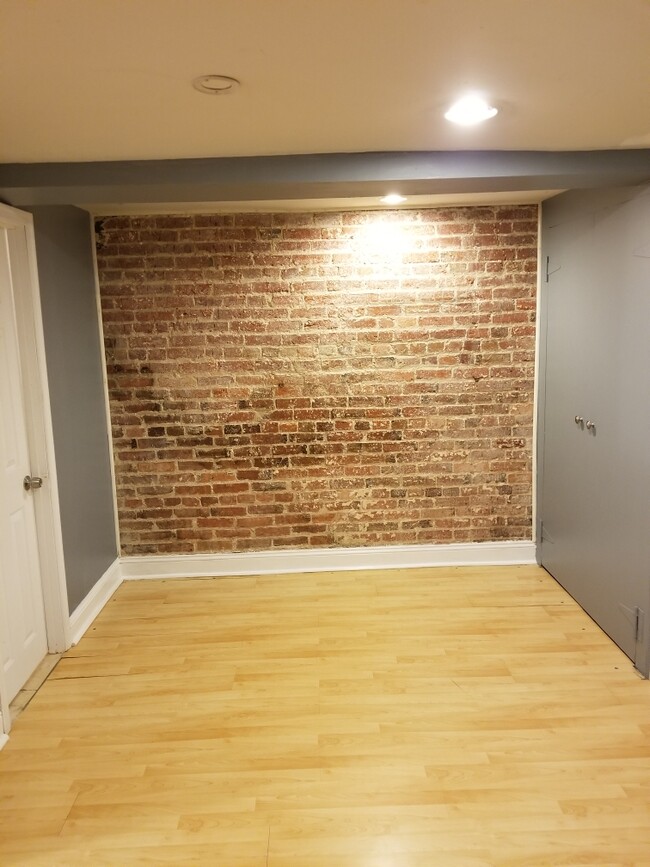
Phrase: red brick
[274,384]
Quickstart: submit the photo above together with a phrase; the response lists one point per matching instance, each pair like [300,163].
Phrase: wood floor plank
[452,716]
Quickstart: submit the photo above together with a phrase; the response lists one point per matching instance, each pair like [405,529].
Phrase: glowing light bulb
[393,199]
[470,110]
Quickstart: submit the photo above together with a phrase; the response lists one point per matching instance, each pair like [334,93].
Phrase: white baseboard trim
[328,560]
[3,739]
[88,609]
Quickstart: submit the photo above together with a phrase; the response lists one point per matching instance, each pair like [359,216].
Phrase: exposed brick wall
[347,379]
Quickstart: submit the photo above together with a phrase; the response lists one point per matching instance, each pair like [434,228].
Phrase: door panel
[565,522]
[595,506]
[621,394]
[22,621]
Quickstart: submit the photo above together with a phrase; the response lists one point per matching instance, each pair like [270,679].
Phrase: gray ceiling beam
[306,176]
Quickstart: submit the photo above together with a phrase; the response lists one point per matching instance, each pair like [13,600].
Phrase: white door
[23,638]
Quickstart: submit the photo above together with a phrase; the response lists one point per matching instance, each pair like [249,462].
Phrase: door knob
[32,483]
[578,419]
[591,425]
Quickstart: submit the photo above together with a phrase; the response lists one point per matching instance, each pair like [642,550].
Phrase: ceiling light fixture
[216,85]
[393,199]
[470,110]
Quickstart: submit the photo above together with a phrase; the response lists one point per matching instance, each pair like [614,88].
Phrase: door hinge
[638,625]
[548,268]
[636,617]
[544,534]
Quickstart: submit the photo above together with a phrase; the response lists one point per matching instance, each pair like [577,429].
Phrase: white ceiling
[111,79]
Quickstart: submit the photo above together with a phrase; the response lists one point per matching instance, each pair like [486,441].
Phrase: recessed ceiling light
[393,199]
[469,110]
[216,85]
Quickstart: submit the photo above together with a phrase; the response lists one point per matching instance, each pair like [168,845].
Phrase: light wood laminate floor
[416,718]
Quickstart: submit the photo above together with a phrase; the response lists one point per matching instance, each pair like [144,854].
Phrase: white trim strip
[328,560]
[538,370]
[88,609]
[3,739]
[107,401]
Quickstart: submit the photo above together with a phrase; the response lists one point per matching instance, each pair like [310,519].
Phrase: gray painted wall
[74,355]
[305,176]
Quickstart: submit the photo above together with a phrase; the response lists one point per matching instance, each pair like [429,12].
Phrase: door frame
[36,397]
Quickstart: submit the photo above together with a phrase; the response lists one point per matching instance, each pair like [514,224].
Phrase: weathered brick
[287,380]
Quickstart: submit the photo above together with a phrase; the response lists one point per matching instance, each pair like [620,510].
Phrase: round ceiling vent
[217,85]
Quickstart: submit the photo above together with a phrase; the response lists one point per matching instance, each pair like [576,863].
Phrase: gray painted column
[74,357]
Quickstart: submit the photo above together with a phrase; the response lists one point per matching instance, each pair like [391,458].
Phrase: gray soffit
[317,176]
